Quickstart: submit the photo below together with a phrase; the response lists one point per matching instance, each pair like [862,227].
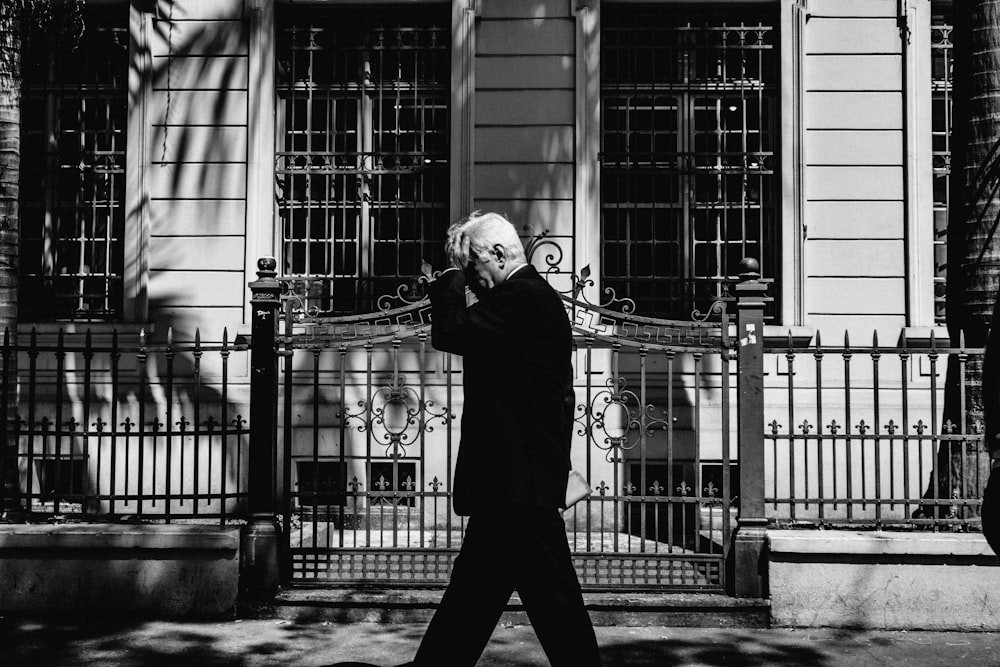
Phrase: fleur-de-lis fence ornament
[656,488]
[683,488]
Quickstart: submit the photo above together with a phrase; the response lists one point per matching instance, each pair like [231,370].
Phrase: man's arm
[456,328]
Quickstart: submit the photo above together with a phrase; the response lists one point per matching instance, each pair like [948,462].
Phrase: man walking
[513,459]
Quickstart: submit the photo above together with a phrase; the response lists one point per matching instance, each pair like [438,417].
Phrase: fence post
[751,534]
[259,545]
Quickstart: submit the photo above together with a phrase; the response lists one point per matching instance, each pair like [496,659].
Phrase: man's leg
[477,593]
[991,511]
[547,583]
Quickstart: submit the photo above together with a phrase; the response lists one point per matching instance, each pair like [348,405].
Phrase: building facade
[647,148]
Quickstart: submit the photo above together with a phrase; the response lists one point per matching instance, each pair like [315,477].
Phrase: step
[412,605]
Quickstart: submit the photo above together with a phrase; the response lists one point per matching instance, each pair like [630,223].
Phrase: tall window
[688,131]
[72,191]
[363,148]
[941,90]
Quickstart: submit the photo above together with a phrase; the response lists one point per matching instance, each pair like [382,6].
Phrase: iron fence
[368,432]
[106,430]
[865,435]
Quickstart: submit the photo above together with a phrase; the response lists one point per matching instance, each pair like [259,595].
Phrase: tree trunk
[973,241]
[10,160]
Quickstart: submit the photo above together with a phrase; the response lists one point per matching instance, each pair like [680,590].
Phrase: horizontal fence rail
[859,435]
[106,430]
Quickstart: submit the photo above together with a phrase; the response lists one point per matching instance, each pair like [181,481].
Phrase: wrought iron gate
[368,430]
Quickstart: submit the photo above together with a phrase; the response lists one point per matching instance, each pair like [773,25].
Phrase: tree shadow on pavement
[250,643]
[714,649]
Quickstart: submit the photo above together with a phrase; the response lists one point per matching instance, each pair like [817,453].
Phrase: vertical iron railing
[863,440]
[107,430]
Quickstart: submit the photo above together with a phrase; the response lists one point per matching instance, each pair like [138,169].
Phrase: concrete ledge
[151,571]
[881,580]
[349,605]
[110,536]
[861,543]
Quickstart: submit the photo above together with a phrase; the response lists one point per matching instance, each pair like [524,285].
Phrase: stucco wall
[152,571]
[877,580]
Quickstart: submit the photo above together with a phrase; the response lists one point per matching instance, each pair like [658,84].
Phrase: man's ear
[500,253]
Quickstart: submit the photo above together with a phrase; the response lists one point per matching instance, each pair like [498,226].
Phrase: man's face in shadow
[485,271]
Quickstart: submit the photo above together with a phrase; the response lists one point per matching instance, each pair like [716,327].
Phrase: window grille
[72,190]
[941,119]
[320,483]
[688,162]
[362,166]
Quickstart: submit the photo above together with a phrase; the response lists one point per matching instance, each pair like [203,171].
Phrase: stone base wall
[160,571]
[881,580]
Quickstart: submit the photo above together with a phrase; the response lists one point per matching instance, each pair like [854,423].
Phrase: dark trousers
[523,549]
[991,511]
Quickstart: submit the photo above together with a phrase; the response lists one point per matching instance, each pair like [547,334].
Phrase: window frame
[589,128]
[940,166]
[131,307]
[263,219]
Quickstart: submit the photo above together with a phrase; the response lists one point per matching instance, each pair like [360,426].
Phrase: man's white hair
[484,231]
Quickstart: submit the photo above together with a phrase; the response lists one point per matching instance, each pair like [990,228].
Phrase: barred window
[72,189]
[941,95]
[688,172]
[362,166]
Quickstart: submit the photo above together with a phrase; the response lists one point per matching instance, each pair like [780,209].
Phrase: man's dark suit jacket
[517,420]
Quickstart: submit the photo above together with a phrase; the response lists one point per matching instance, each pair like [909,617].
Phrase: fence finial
[749,269]
[266,267]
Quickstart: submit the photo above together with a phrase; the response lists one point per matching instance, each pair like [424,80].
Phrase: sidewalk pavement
[261,642]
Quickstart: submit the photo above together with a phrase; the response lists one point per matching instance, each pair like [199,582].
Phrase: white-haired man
[513,459]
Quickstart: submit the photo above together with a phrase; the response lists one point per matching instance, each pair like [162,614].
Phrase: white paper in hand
[577,488]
